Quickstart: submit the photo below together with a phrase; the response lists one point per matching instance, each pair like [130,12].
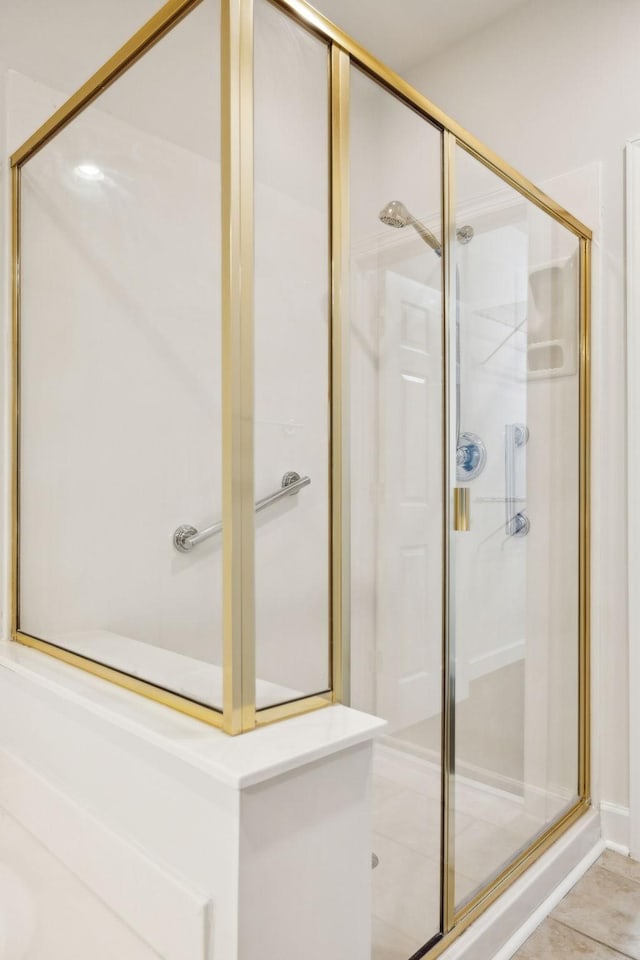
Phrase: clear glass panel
[292,356]
[120,372]
[515,572]
[396,497]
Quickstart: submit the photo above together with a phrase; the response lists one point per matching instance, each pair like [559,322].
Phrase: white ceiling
[62,42]
[404,33]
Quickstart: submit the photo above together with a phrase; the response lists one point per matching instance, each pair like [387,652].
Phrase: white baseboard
[504,927]
[469,670]
[614,822]
[615,827]
[495,659]
[173,918]
[552,901]
[534,799]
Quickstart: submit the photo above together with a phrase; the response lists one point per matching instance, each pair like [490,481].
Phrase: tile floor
[491,827]
[599,919]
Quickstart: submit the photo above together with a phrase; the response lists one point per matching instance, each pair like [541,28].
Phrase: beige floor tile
[483,849]
[412,819]
[525,827]
[389,943]
[606,907]
[554,941]
[409,772]
[557,805]
[483,804]
[383,788]
[406,891]
[466,888]
[624,866]
[491,828]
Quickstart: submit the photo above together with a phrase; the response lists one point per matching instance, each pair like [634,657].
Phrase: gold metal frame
[15,394]
[340,665]
[584,590]
[447,904]
[238,524]
[239,708]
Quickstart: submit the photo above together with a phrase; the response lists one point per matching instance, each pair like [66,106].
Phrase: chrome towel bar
[187,537]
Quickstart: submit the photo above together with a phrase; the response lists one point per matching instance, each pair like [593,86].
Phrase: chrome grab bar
[187,537]
[517,523]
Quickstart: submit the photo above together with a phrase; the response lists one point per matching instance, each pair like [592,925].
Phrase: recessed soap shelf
[546,357]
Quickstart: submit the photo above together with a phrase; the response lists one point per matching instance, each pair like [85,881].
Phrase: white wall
[120,399]
[550,88]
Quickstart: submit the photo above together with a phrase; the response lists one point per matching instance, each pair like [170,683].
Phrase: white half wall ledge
[235,761]
[170,822]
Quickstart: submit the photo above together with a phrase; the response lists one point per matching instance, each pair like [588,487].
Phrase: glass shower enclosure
[302,417]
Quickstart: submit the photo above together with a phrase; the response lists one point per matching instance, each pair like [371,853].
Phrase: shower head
[395,214]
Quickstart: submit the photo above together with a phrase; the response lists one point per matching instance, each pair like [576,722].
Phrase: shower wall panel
[120,373]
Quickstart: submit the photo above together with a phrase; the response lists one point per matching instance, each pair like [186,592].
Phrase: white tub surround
[209,847]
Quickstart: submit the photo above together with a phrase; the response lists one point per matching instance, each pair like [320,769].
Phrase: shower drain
[374,861]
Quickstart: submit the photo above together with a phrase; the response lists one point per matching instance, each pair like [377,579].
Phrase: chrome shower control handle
[520,525]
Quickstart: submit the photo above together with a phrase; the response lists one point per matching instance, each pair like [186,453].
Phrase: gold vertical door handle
[461,512]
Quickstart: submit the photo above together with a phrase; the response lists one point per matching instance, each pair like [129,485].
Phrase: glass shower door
[514,547]
[396,362]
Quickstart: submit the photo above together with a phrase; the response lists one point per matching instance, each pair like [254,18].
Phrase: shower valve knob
[471,456]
